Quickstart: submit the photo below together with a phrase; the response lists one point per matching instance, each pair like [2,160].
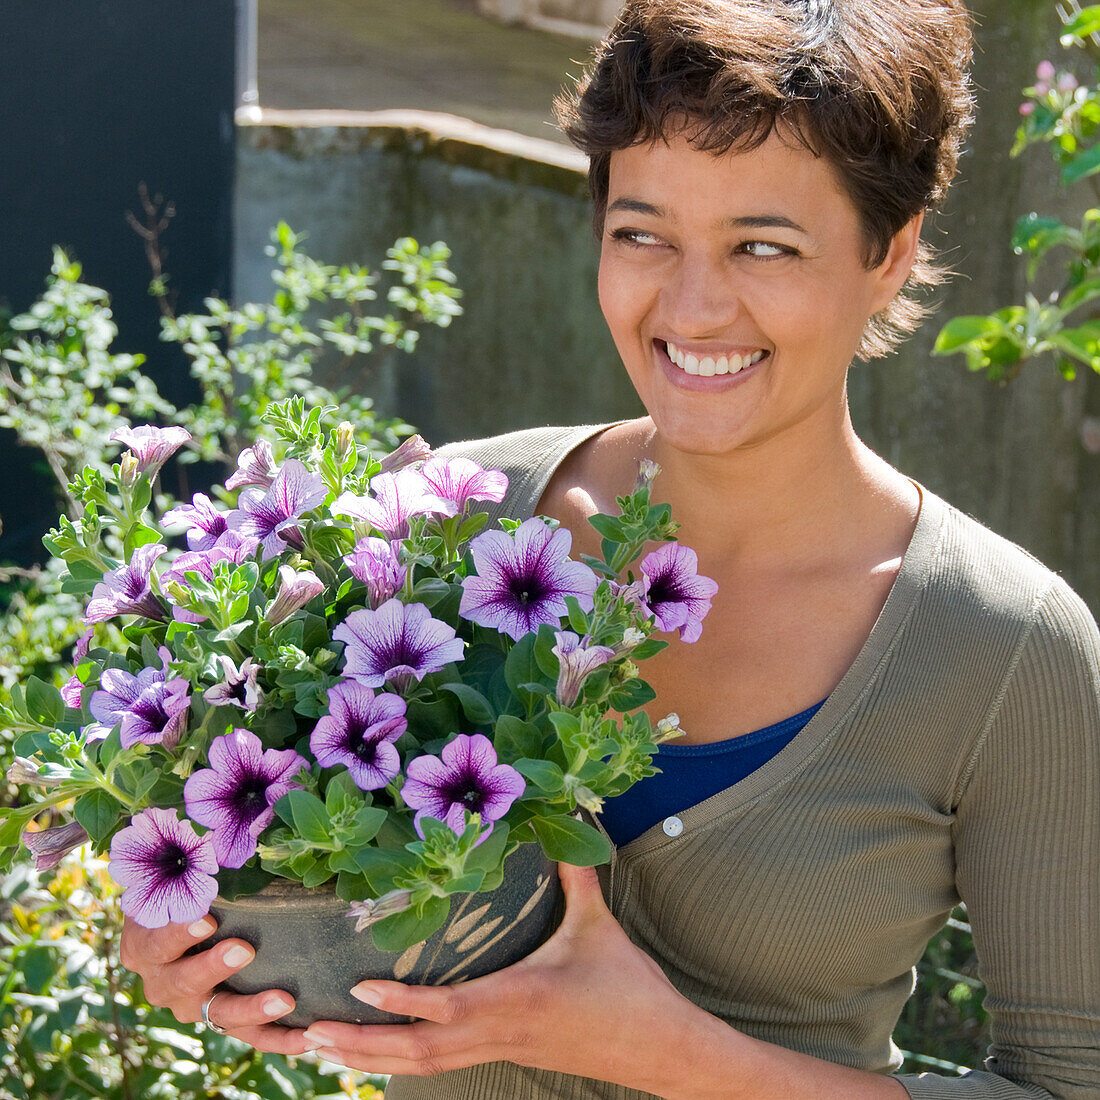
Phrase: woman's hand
[183,983]
[588,1002]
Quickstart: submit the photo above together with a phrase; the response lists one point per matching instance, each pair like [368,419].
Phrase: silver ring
[205,1010]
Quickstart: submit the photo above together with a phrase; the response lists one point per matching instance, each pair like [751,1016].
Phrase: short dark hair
[878,87]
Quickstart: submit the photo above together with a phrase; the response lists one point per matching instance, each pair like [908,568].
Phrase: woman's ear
[898,262]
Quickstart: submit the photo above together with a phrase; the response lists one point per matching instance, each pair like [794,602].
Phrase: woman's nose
[699,298]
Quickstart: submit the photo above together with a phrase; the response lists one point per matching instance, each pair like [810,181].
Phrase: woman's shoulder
[981,576]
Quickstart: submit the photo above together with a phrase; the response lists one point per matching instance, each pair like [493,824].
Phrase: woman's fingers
[141,949]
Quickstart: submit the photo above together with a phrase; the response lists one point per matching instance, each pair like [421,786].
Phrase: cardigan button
[672,826]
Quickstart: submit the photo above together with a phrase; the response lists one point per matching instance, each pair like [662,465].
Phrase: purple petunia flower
[255,466]
[460,480]
[205,523]
[296,589]
[50,846]
[374,562]
[358,732]
[396,642]
[577,659]
[165,868]
[152,447]
[396,498]
[151,708]
[128,589]
[674,591]
[272,516]
[237,687]
[466,777]
[237,794]
[523,579]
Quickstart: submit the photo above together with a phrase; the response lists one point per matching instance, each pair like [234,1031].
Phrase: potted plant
[346,696]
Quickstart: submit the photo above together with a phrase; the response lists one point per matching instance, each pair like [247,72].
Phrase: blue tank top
[691,773]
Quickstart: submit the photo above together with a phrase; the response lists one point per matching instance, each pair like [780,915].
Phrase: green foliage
[74,1022]
[1065,115]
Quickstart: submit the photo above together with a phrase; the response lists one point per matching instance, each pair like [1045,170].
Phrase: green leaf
[306,814]
[489,853]
[1083,165]
[1086,22]
[567,840]
[430,591]
[545,774]
[632,694]
[44,702]
[513,738]
[241,882]
[474,705]
[649,648]
[1037,234]
[960,331]
[98,812]
[368,821]
[1078,295]
[609,527]
[341,794]
[402,930]
[1082,343]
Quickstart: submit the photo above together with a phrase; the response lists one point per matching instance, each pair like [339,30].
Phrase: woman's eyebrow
[748,221]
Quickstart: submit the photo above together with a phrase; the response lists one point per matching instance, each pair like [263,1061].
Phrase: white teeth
[708,366]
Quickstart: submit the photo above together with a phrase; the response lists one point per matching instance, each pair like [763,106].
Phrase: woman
[921,698]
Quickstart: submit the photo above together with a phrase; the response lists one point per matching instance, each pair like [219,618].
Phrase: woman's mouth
[730,362]
[708,365]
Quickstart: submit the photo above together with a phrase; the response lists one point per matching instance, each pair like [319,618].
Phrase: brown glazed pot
[307,945]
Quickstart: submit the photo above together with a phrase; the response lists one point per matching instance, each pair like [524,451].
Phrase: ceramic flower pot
[307,944]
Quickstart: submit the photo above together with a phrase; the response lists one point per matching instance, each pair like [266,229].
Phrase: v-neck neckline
[910,581]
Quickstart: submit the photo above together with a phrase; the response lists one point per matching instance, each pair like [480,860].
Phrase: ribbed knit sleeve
[1027,847]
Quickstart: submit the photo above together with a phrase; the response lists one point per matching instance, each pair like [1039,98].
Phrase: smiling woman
[892,709]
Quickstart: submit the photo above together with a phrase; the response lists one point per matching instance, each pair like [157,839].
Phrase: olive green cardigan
[958,759]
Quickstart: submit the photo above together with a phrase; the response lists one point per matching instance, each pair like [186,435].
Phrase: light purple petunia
[396,642]
[151,708]
[674,591]
[523,578]
[205,523]
[396,498]
[255,466]
[296,589]
[237,794]
[128,590]
[165,868]
[460,480]
[151,446]
[237,687]
[272,516]
[50,846]
[465,777]
[359,732]
[577,659]
[374,561]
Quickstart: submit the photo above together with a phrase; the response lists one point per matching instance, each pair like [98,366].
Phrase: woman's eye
[765,250]
[638,237]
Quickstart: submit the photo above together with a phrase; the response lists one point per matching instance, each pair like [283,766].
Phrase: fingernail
[202,928]
[276,1006]
[237,956]
[316,1039]
[368,993]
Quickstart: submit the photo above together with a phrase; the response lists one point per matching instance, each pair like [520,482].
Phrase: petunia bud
[344,439]
[295,591]
[371,910]
[129,469]
[647,474]
[24,772]
[50,846]
[668,727]
[414,449]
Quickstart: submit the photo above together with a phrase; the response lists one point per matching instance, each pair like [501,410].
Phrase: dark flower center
[152,714]
[134,585]
[360,745]
[527,589]
[250,797]
[237,692]
[664,590]
[467,792]
[172,861]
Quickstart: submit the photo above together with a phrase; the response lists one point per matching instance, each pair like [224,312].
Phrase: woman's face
[734,289]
